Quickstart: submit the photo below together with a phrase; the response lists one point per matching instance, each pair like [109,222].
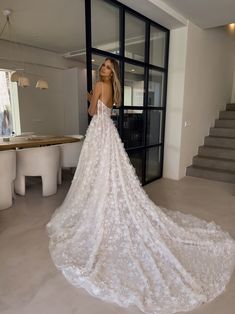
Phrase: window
[9,106]
[141,48]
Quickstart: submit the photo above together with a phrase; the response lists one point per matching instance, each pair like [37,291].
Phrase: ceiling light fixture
[41,84]
[7,12]
[22,80]
[15,76]
[231,27]
[18,75]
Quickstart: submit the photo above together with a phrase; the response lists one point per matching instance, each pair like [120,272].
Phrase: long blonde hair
[117,96]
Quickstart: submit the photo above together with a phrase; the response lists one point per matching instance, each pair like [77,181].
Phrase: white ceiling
[157,11]
[205,13]
[55,25]
[59,25]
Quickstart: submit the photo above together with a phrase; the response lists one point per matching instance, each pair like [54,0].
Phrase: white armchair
[69,156]
[38,161]
[8,174]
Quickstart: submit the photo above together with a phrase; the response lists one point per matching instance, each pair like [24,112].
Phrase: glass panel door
[134,37]
[141,48]
[105,26]
[157,49]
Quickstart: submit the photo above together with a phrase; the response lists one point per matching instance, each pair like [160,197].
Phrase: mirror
[46,40]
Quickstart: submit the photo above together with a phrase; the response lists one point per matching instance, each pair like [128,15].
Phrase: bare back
[107,94]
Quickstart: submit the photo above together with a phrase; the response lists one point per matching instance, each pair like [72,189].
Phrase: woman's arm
[89,95]
[92,110]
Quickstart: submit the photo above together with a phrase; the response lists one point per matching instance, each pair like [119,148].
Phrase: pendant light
[15,76]
[42,84]
[23,81]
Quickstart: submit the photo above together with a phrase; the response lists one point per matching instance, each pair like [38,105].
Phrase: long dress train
[111,239]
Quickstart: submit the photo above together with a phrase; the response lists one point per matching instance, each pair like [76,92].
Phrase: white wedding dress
[111,239]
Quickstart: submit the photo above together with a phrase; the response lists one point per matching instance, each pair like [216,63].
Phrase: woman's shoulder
[97,89]
[98,85]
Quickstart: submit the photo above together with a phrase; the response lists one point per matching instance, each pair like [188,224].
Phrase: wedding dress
[111,239]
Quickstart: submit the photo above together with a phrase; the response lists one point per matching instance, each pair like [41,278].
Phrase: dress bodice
[102,109]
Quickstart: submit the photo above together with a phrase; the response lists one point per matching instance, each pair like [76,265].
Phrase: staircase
[216,159]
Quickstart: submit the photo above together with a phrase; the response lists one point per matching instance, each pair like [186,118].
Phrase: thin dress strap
[101,89]
[101,96]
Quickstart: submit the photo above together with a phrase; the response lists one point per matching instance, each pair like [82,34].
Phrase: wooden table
[36,141]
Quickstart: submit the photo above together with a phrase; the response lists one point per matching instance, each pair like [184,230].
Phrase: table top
[36,141]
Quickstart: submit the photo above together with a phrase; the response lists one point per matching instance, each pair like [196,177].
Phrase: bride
[111,239]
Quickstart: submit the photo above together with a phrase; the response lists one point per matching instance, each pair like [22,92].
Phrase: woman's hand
[91,111]
[89,95]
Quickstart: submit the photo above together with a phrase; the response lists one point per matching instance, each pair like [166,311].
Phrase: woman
[108,89]
[111,239]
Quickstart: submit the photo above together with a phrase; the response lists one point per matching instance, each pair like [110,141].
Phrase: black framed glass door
[141,48]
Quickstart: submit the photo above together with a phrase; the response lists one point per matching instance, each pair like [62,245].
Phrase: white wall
[208,86]
[198,94]
[233,92]
[14,55]
[175,102]
[57,109]
[41,111]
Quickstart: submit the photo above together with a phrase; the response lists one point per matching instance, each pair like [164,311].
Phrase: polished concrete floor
[29,282]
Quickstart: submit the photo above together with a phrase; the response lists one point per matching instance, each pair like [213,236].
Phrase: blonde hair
[117,96]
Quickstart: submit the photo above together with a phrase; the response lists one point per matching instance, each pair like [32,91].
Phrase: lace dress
[111,239]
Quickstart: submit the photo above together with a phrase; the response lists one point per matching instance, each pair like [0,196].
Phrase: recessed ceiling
[205,13]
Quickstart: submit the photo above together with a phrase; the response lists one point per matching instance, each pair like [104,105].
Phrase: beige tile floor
[29,282]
